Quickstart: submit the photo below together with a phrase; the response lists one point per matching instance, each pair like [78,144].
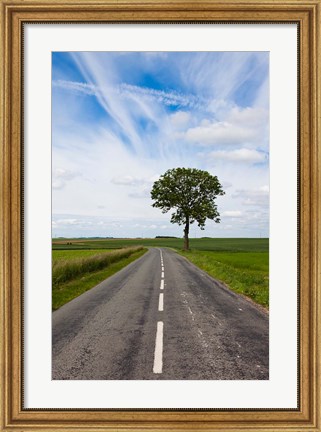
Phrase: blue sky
[120,120]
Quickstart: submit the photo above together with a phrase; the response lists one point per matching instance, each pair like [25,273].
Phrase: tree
[192,193]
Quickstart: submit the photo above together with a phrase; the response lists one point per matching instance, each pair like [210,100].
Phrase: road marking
[162,268]
[162,284]
[161,302]
[162,275]
[240,309]
[158,356]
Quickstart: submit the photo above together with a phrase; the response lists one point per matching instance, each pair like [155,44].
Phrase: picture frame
[14,14]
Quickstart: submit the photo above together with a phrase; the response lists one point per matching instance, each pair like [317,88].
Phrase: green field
[241,263]
[210,244]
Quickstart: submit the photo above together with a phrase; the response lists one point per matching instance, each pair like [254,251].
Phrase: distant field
[210,244]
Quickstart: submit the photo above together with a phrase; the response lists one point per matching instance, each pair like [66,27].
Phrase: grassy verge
[67,255]
[64,270]
[66,288]
[244,272]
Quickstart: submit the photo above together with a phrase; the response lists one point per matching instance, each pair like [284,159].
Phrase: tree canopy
[192,193]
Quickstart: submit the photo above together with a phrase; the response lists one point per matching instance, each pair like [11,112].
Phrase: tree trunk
[186,231]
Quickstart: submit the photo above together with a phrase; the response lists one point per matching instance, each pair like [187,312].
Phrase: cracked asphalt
[208,331]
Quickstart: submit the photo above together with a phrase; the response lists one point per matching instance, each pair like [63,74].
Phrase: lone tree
[192,193]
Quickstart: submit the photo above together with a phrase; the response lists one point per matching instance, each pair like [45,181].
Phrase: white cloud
[232,213]
[254,197]
[226,184]
[144,193]
[180,119]
[127,180]
[219,133]
[242,155]
[75,87]
[247,126]
[251,117]
[61,176]
[68,222]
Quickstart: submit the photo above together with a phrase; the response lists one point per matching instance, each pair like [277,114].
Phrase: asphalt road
[147,323]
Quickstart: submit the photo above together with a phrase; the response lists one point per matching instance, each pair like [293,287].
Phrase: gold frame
[304,12]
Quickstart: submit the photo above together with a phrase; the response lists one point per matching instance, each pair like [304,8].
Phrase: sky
[121,119]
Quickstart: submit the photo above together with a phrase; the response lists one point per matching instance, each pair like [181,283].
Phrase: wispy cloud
[123,90]
[122,119]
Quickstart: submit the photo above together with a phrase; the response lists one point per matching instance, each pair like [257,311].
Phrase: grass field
[210,244]
[241,263]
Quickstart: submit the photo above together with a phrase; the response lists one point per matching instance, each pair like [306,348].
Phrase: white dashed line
[158,356]
[161,302]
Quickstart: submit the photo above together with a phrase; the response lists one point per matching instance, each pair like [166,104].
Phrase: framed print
[160,205]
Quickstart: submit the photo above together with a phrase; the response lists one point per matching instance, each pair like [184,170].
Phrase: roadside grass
[244,272]
[64,255]
[73,277]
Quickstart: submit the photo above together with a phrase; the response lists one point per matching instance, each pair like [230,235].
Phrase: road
[160,318]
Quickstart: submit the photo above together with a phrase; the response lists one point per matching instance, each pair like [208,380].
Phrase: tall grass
[67,270]
[67,291]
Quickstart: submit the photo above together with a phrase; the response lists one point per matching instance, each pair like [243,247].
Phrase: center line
[162,275]
[162,284]
[158,356]
[161,303]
